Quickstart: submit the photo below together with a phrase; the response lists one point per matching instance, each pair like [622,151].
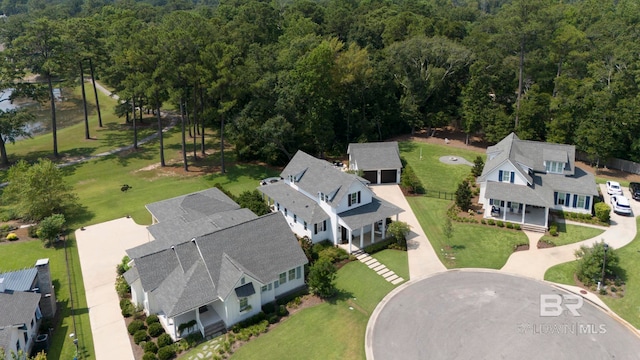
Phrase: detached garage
[379,162]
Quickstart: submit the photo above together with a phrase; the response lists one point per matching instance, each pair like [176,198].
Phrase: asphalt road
[491,315]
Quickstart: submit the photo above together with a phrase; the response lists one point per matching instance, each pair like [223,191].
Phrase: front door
[344,235]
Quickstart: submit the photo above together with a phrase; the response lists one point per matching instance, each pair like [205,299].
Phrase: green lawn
[332,330]
[569,234]
[23,255]
[471,245]
[395,260]
[628,307]
[435,175]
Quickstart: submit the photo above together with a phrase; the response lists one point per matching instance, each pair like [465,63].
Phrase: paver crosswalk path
[379,268]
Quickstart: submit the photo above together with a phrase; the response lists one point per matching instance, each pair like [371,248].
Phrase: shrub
[140,335]
[165,339]
[150,347]
[491,222]
[50,227]
[553,229]
[500,223]
[135,325]
[127,309]
[122,288]
[333,254]
[155,330]
[123,266]
[410,181]
[590,259]
[463,195]
[255,319]
[153,318]
[273,318]
[166,352]
[516,226]
[269,308]
[12,237]
[509,225]
[33,231]
[282,310]
[321,278]
[253,201]
[478,165]
[149,356]
[483,221]
[603,212]
[603,291]
[614,289]
[379,246]
[399,231]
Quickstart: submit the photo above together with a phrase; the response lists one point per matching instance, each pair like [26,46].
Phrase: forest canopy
[277,76]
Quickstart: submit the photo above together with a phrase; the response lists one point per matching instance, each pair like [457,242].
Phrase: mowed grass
[471,245]
[16,256]
[436,175]
[394,260]
[627,307]
[569,234]
[331,330]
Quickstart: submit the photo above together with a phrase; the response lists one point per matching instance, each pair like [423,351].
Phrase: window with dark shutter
[315,229]
[358,197]
[513,177]
[499,175]
[555,198]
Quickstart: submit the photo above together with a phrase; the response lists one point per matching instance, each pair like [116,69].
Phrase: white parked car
[620,205]
[613,188]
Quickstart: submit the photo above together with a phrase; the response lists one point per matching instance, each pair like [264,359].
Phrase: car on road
[620,205]
[613,188]
[634,189]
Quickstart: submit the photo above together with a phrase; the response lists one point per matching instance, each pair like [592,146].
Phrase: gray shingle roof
[131,275]
[367,214]
[315,175]
[17,307]
[298,203]
[197,272]
[180,229]
[376,155]
[517,193]
[192,206]
[21,280]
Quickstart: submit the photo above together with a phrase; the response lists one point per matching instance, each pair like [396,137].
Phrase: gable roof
[192,206]
[17,307]
[196,272]
[21,280]
[375,155]
[315,175]
[295,201]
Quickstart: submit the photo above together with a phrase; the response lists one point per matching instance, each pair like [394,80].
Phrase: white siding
[506,166]
[365,197]
[137,293]
[290,284]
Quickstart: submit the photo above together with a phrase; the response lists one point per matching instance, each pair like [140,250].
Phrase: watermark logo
[553,305]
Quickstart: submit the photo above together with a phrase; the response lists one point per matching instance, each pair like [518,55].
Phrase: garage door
[389,176]
[372,176]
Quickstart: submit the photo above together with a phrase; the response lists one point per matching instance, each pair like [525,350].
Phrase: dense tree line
[275,76]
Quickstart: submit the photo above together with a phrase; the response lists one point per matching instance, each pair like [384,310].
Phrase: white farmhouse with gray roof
[379,161]
[217,266]
[523,180]
[321,202]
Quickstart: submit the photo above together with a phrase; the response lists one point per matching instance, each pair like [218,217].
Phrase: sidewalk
[423,260]
[101,247]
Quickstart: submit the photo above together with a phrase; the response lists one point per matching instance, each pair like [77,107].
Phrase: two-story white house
[322,202]
[523,180]
[212,263]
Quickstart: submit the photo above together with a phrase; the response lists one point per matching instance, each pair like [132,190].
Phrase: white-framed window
[269,286]
[276,284]
[298,272]
[263,288]
[354,198]
[295,218]
[561,198]
[320,227]
[244,304]
[506,176]
[581,201]
[292,274]
[283,278]
[554,167]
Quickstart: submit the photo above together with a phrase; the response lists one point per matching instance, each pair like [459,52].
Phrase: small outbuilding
[379,161]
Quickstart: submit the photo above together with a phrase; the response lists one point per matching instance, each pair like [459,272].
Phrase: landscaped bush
[491,222]
[282,310]
[127,308]
[12,237]
[483,222]
[166,352]
[165,339]
[500,223]
[135,325]
[33,231]
[150,347]
[269,308]
[603,212]
[273,318]
[155,330]
[295,302]
[478,165]
[410,181]
[149,356]
[553,229]
[379,246]
[333,254]
[186,326]
[255,319]
[139,336]
[516,226]
[509,225]
[153,318]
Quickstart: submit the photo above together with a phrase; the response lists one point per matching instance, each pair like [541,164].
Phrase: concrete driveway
[101,247]
[476,314]
[535,262]
[423,260]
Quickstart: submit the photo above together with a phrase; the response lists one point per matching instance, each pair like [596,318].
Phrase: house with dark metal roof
[217,267]
[379,161]
[523,180]
[25,297]
[322,202]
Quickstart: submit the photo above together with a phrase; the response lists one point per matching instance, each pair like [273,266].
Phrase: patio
[205,316]
[533,215]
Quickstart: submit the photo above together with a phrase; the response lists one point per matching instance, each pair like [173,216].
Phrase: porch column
[384,228]
[200,327]
[361,237]
[373,232]
[504,213]
[379,177]
[398,176]
[524,210]
[350,236]
[546,216]
[397,219]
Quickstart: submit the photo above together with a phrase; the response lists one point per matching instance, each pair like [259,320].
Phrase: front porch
[361,240]
[207,322]
[536,217]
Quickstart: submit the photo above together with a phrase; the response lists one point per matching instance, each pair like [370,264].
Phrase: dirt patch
[545,245]
[523,247]
[15,227]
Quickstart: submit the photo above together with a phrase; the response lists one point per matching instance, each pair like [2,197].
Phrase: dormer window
[354,198]
[555,167]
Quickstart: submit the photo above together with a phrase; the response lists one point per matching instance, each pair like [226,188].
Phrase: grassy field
[628,307]
[331,330]
[435,175]
[471,245]
[569,234]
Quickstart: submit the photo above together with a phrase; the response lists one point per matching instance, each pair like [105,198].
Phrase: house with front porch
[215,280]
[523,180]
[322,202]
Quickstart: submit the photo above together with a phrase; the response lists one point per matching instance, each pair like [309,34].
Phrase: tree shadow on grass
[341,295]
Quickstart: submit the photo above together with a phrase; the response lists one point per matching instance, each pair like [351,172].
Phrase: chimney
[2,288]
[48,300]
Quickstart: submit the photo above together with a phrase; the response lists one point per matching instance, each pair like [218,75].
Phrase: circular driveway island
[491,315]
